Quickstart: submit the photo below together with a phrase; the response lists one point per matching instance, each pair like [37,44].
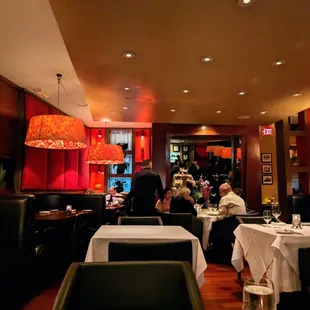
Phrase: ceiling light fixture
[243,117]
[218,112]
[245,3]
[129,55]
[173,110]
[105,154]
[105,120]
[126,108]
[241,93]
[185,91]
[263,112]
[56,131]
[126,88]
[278,62]
[296,95]
[206,59]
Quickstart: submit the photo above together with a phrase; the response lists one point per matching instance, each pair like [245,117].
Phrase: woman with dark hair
[164,206]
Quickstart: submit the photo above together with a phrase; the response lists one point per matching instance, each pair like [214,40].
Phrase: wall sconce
[99,169]
[99,134]
[142,133]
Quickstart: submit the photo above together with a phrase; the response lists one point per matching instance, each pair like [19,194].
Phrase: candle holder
[69,209]
[296,221]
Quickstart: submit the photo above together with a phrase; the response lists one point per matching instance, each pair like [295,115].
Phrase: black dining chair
[129,285]
[304,273]
[137,220]
[164,251]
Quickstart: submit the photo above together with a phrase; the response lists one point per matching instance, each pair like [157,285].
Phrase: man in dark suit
[144,185]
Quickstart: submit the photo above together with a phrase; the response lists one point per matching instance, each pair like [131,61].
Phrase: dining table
[98,249]
[271,250]
[60,215]
[207,217]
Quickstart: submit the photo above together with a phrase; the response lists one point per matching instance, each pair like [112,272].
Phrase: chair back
[137,220]
[17,218]
[299,204]
[250,219]
[166,251]
[129,285]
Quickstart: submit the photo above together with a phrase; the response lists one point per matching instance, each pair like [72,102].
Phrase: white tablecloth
[207,221]
[267,251]
[99,244]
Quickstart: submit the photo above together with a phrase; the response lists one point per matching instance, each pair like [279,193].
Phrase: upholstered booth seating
[137,220]
[165,251]
[299,204]
[19,253]
[186,220]
[130,285]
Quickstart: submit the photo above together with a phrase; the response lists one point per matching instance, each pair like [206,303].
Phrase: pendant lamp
[105,154]
[218,151]
[210,148]
[226,152]
[56,131]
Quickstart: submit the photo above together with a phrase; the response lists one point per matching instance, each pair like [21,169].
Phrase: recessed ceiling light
[203,127]
[105,120]
[126,108]
[278,62]
[243,117]
[297,94]
[126,88]
[263,112]
[218,111]
[185,91]
[245,3]
[173,110]
[241,93]
[207,59]
[129,55]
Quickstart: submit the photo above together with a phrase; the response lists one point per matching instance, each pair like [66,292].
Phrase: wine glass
[258,295]
[267,216]
[276,211]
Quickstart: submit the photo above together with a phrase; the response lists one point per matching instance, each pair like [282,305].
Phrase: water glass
[258,295]
[296,220]
[276,211]
[267,216]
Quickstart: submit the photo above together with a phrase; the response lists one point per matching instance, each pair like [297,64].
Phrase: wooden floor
[221,290]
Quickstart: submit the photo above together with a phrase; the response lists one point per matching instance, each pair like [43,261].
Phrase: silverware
[294,232]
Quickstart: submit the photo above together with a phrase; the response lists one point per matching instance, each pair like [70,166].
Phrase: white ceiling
[32,52]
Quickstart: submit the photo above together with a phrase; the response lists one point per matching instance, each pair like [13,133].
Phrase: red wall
[52,170]
[251,176]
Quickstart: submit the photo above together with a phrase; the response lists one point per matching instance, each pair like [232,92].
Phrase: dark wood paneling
[251,177]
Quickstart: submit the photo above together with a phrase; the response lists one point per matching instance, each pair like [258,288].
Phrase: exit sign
[267,131]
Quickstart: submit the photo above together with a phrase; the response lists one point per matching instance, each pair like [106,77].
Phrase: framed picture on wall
[176,148]
[266,169]
[267,179]
[266,157]
[185,148]
[185,157]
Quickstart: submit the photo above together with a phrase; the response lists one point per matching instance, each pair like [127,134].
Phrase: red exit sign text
[267,131]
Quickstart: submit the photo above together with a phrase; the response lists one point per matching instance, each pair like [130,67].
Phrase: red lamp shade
[105,154]
[56,132]
[226,152]
[210,148]
[218,151]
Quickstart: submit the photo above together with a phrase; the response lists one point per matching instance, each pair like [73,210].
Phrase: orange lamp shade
[56,132]
[239,153]
[218,151]
[226,152]
[210,148]
[105,154]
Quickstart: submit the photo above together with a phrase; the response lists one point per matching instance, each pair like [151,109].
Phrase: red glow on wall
[142,145]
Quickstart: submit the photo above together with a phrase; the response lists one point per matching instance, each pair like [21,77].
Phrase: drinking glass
[267,216]
[258,295]
[276,211]
[296,220]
